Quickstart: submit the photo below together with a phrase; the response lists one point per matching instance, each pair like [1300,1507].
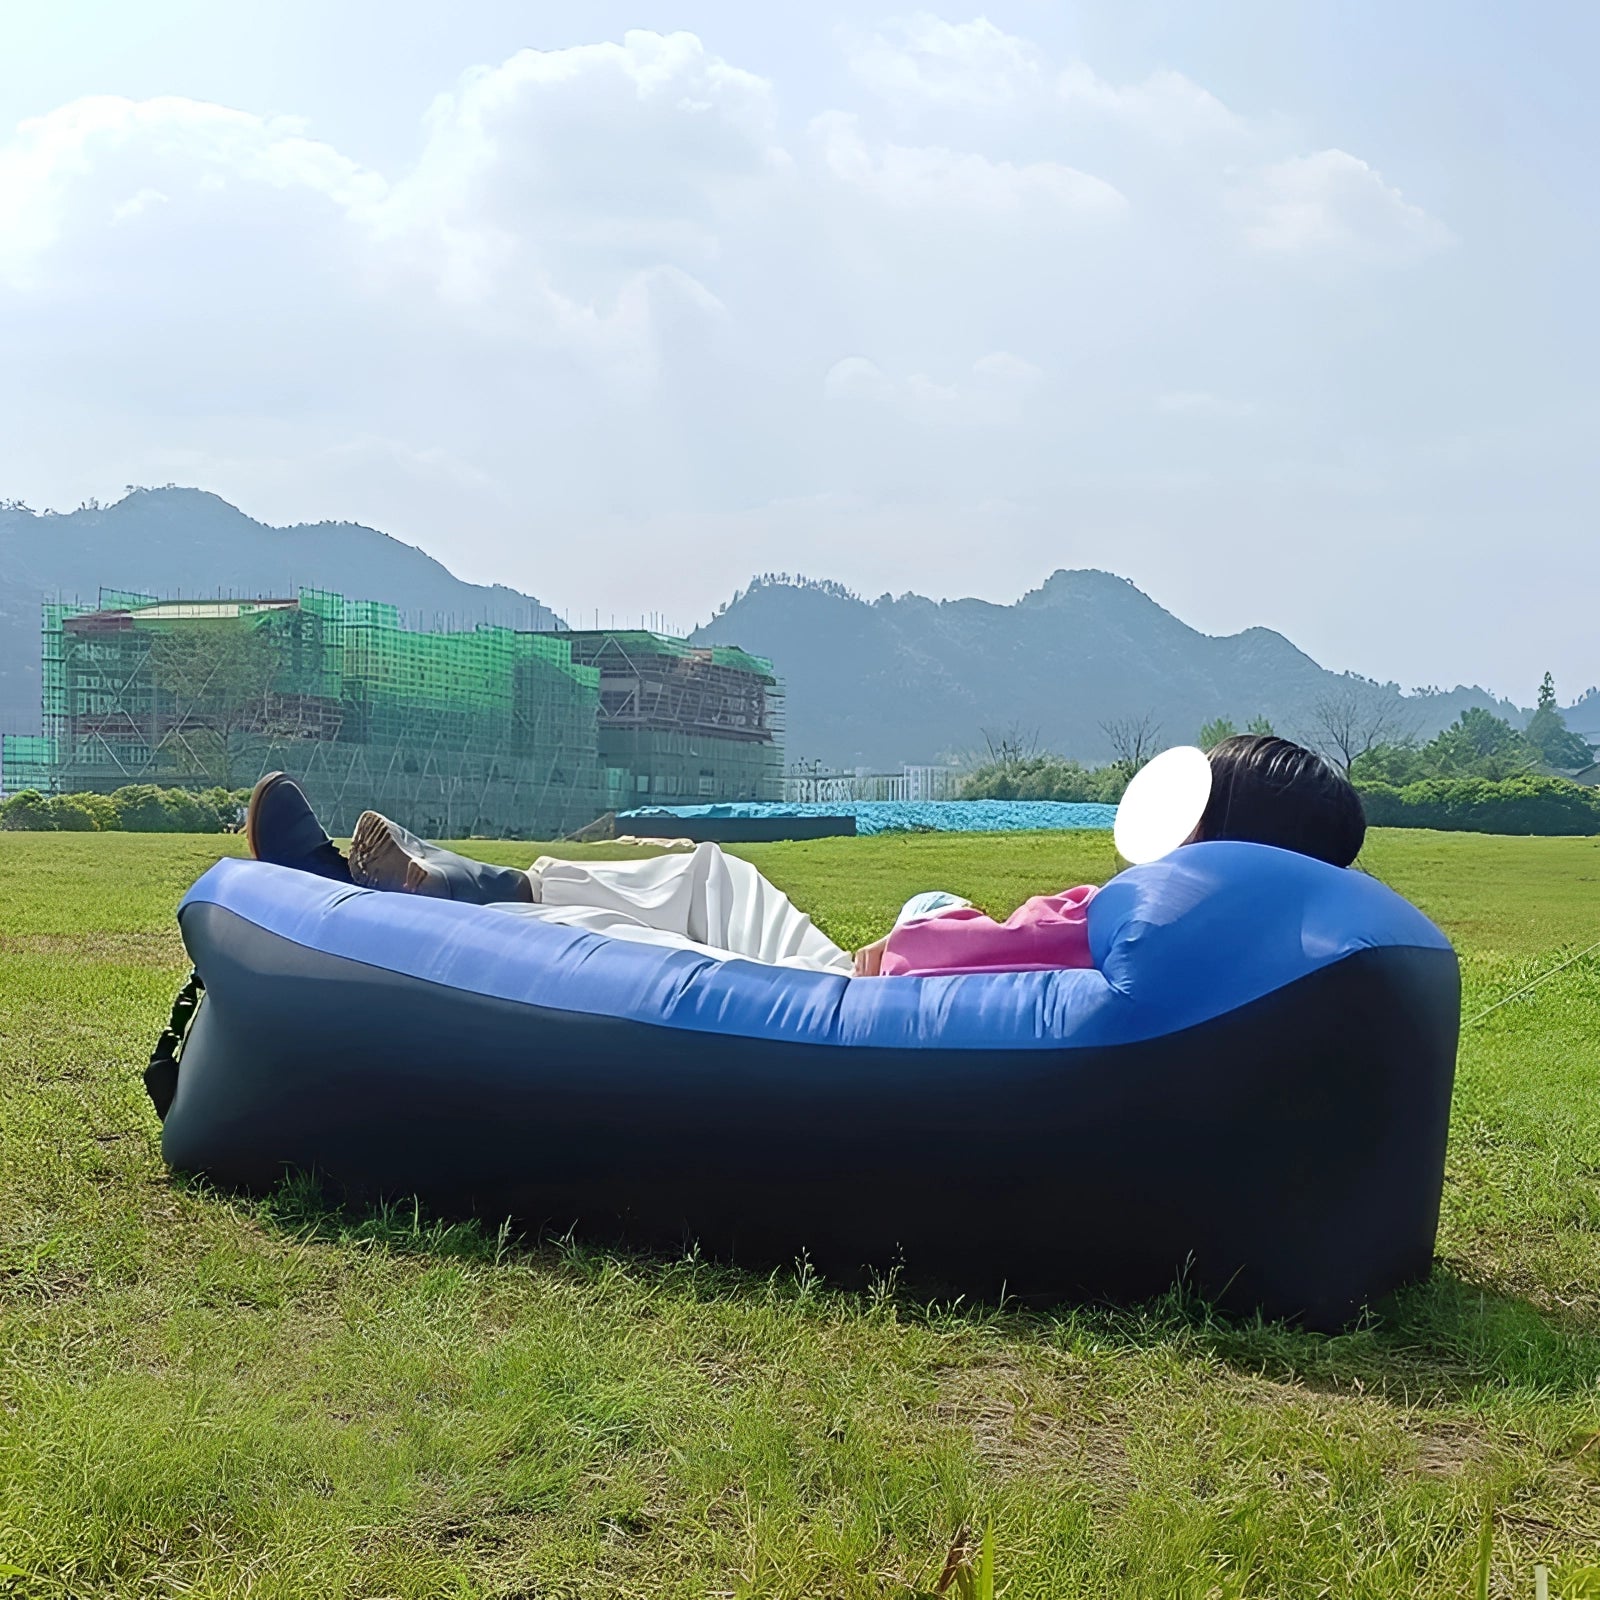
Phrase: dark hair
[1267,790]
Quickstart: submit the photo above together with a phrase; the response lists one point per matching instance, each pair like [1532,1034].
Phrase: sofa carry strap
[161,1076]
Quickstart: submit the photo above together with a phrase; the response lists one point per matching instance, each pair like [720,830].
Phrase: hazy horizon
[1281,317]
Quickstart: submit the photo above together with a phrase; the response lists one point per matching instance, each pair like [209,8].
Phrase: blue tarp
[905,816]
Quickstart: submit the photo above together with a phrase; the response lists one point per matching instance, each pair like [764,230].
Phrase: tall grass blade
[984,1588]
[1485,1551]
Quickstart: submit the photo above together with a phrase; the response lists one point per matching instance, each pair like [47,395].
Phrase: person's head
[1266,790]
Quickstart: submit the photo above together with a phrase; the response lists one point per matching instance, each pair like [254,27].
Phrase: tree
[1133,740]
[1395,764]
[1011,745]
[216,677]
[1548,733]
[1478,744]
[1219,728]
[1351,721]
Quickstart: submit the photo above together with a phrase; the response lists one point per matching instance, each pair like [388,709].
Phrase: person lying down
[1261,789]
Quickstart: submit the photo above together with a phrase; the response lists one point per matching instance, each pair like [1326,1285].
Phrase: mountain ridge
[869,683]
[907,678]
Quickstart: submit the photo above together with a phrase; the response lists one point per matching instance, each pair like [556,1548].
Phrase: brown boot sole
[378,860]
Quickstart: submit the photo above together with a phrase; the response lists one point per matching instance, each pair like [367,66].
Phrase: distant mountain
[871,684]
[1583,717]
[911,679]
[172,541]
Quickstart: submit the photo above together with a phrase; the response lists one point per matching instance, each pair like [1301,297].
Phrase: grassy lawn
[202,1396]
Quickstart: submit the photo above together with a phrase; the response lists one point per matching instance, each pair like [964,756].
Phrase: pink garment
[1049,931]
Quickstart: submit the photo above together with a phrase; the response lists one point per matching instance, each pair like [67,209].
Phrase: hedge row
[1526,804]
[138,808]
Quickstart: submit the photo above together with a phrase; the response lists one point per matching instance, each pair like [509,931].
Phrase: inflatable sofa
[1249,1093]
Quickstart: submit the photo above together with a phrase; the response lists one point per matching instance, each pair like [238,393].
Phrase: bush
[27,812]
[136,808]
[229,805]
[190,813]
[101,807]
[1045,777]
[143,808]
[69,813]
[1527,804]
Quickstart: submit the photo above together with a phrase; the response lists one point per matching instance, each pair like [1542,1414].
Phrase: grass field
[202,1397]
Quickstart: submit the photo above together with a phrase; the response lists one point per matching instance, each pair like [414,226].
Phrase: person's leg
[749,915]
[281,827]
[383,855]
[707,896]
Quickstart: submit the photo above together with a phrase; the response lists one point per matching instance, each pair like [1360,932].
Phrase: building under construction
[491,731]
[688,725]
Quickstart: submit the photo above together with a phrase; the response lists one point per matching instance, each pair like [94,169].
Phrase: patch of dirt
[1444,1449]
[42,1286]
[1322,1393]
[1447,1449]
[150,947]
[1024,1424]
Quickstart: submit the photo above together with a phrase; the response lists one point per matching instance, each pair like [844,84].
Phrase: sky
[1284,312]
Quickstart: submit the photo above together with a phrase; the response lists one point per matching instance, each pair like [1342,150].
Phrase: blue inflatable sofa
[1250,1093]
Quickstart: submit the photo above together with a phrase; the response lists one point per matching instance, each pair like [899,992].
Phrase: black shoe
[383,855]
[281,827]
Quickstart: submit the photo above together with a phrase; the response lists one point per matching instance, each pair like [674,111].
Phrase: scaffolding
[685,723]
[488,731]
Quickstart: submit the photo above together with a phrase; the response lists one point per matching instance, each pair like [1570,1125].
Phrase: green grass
[202,1396]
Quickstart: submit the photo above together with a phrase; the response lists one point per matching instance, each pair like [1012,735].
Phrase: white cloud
[924,63]
[572,197]
[924,60]
[1163,133]
[1166,105]
[855,377]
[106,159]
[929,176]
[604,147]
[568,198]
[135,204]
[1333,204]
